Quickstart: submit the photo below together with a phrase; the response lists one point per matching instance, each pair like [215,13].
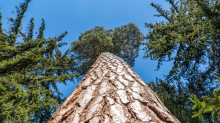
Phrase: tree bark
[111,92]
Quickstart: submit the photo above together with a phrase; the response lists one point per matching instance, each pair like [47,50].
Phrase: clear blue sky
[77,16]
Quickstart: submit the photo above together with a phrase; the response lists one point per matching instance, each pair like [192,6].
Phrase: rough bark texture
[111,92]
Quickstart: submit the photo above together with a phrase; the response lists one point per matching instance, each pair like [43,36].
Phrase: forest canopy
[31,67]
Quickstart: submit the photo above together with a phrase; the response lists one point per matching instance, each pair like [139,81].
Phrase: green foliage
[123,41]
[174,99]
[190,39]
[29,71]
[209,105]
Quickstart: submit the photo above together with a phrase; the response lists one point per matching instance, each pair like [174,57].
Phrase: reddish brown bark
[111,92]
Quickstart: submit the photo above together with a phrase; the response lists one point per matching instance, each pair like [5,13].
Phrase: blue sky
[77,16]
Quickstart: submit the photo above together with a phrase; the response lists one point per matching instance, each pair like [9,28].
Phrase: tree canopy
[29,70]
[190,39]
[30,67]
[123,41]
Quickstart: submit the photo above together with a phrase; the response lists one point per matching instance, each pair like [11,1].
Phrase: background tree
[174,99]
[123,41]
[190,39]
[210,103]
[29,71]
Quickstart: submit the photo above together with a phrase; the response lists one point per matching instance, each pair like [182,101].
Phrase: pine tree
[123,41]
[111,92]
[190,39]
[29,71]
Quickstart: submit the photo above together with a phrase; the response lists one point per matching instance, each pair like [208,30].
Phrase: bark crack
[111,92]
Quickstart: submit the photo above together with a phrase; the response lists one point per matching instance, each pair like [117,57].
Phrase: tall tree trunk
[111,92]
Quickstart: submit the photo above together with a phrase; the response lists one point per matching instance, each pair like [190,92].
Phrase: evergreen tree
[210,103]
[108,95]
[29,71]
[123,41]
[190,39]
[174,99]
